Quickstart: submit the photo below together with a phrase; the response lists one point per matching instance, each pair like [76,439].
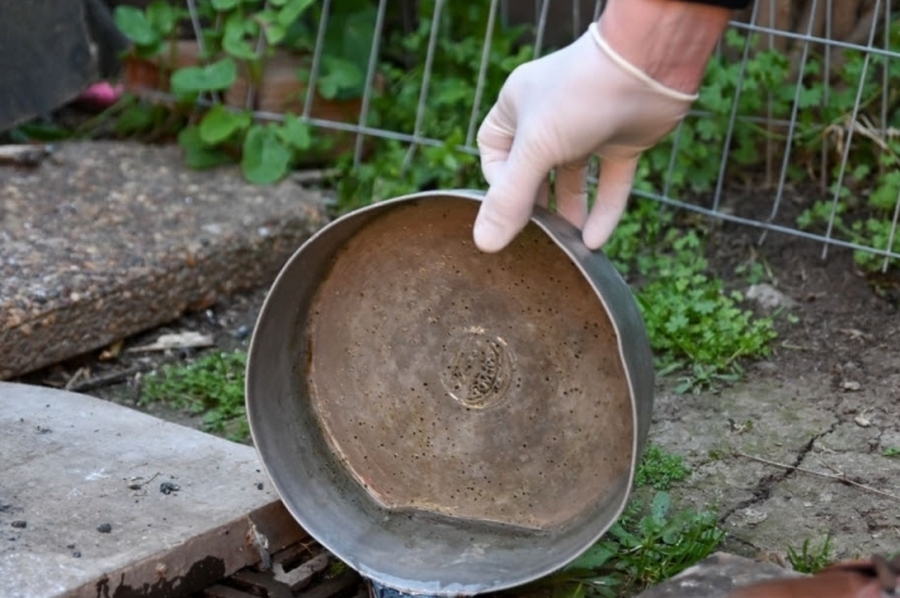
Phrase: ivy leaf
[266,158]
[212,77]
[220,123]
[196,153]
[136,26]
[295,132]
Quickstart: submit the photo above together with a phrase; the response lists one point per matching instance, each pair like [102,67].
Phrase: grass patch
[212,385]
[809,559]
[891,451]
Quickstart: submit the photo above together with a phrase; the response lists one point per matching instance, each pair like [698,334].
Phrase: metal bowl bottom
[477,387]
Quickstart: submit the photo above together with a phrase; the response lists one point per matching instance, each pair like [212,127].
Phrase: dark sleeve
[725,3]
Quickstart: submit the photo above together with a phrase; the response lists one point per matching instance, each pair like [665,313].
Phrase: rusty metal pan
[447,421]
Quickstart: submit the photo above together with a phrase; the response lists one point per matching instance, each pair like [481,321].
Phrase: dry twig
[838,477]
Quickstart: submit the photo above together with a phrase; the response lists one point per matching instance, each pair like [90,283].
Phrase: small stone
[104,528]
[70,546]
[768,297]
[851,385]
[754,517]
[259,486]
[169,487]
[242,332]
[76,554]
[862,421]
[20,523]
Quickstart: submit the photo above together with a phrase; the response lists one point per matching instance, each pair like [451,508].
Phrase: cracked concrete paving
[805,423]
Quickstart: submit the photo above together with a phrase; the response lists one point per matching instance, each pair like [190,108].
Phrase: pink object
[100,95]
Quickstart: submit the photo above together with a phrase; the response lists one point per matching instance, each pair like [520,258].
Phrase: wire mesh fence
[796,129]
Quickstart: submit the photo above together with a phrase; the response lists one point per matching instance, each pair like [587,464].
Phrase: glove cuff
[638,73]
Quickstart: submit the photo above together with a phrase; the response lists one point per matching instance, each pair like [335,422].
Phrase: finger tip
[488,237]
[594,238]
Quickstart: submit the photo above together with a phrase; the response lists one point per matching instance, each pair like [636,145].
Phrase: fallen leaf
[112,352]
[180,340]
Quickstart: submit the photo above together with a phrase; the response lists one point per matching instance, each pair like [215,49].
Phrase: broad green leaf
[134,24]
[196,154]
[163,16]
[292,11]
[594,557]
[340,78]
[223,5]
[135,118]
[660,506]
[275,33]
[266,158]
[295,132]
[235,41]
[220,123]
[212,77]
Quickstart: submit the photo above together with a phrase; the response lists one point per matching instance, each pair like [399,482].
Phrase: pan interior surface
[468,386]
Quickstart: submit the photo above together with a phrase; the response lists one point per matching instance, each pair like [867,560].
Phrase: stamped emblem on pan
[477,368]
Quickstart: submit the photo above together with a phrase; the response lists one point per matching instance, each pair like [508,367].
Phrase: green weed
[213,385]
[646,546]
[697,328]
[809,559]
[659,469]
[891,451]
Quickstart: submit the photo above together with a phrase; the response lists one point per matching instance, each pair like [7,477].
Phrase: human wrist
[669,40]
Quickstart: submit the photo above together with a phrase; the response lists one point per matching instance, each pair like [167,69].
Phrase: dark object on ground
[104,528]
[24,155]
[52,51]
[169,487]
[21,524]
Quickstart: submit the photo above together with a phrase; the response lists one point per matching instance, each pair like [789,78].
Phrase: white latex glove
[555,112]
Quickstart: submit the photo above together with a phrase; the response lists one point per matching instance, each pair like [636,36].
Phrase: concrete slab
[107,239]
[81,507]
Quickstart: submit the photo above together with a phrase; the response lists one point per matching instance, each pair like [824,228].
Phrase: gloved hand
[555,112]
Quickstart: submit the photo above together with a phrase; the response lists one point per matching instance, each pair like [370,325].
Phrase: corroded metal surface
[446,421]
[483,387]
